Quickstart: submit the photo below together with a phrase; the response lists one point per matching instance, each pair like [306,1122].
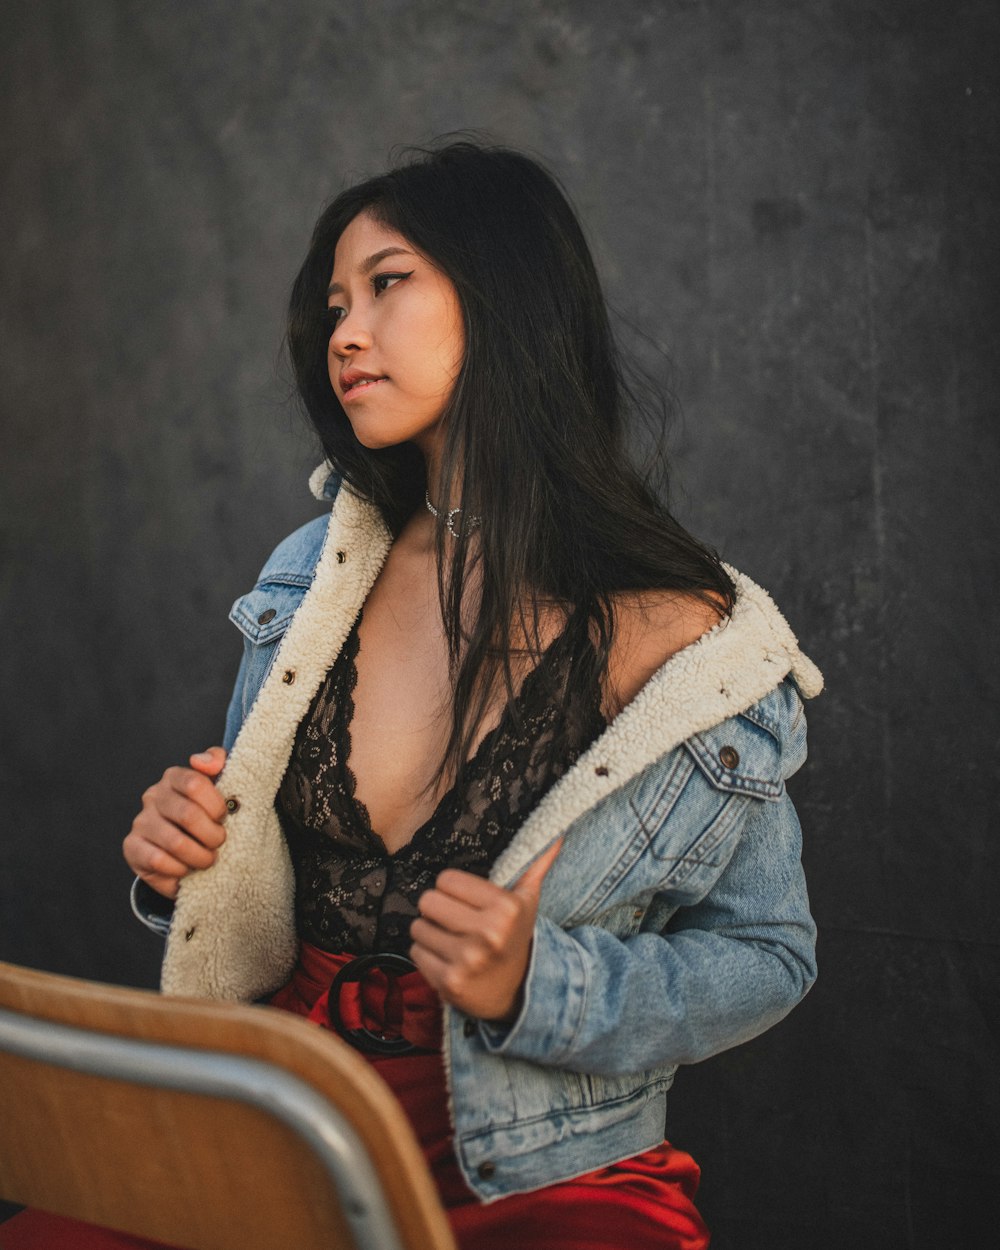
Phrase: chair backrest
[214,1126]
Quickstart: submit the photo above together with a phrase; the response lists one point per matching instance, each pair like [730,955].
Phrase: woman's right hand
[180,826]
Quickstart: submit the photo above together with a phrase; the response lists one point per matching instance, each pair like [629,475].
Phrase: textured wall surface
[798,201]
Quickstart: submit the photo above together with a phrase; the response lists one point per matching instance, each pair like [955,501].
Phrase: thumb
[209,762]
[530,885]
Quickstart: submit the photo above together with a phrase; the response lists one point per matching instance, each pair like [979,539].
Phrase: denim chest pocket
[262,616]
[742,755]
[675,827]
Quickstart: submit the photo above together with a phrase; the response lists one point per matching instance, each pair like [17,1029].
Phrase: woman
[501,716]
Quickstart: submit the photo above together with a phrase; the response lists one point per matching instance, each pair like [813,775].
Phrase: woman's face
[396,341]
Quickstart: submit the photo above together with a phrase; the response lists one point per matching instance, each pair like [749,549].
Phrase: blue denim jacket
[674,923]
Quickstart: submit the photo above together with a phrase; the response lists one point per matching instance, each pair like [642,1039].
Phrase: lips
[355,382]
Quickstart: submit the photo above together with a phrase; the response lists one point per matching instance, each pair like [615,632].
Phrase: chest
[402,702]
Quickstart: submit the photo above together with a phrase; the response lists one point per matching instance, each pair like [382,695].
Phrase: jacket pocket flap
[741,757]
[262,615]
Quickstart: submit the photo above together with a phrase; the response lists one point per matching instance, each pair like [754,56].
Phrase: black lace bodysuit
[351,895]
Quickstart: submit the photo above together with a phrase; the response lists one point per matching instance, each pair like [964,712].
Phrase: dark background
[798,201]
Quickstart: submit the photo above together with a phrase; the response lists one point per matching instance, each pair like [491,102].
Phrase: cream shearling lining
[319,478]
[233,929]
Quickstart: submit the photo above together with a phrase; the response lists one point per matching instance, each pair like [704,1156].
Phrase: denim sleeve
[723,970]
[234,713]
[151,908]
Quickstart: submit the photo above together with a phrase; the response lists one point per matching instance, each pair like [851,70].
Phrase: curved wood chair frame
[213,1126]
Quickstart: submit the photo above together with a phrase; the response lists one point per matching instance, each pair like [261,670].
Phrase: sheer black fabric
[352,896]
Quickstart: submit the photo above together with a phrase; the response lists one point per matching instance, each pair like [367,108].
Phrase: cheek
[457,354]
[450,347]
[444,331]
[434,354]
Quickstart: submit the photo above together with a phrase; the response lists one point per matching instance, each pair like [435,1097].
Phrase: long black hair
[535,425]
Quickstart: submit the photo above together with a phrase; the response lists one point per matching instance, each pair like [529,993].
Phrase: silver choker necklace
[449,517]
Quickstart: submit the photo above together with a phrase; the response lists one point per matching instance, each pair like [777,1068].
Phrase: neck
[431,445]
[442,498]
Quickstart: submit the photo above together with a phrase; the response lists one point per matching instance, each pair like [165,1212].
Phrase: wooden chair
[214,1126]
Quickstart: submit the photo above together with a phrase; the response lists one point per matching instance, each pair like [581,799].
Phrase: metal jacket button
[729,757]
[486,1170]
[264,617]
[232,805]
[341,557]
[288,676]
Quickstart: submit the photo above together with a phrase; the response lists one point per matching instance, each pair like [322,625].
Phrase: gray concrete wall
[798,201]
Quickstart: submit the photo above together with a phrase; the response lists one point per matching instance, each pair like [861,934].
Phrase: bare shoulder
[650,628]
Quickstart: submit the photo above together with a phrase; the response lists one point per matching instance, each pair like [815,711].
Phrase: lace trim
[352,894]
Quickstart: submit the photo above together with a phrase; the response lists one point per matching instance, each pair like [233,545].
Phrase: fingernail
[202,757]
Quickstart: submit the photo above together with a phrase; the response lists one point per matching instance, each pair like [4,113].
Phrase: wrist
[510,1015]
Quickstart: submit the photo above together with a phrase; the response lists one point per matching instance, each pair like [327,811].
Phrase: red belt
[379,1003]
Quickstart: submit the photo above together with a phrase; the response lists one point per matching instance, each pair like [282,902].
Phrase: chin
[378,442]
[380,434]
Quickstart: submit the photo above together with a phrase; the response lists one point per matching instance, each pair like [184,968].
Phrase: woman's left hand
[472,939]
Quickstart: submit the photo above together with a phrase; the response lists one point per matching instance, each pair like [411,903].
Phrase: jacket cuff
[555,995]
[151,908]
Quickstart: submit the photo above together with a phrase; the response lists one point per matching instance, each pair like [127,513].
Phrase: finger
[455,914]
[196,787]
[167,886]
[488,934]
[448,977]
[466,886]
[183,847]
[152,830]
[153,861]
[429,937]
[432,966]
[190,819]
[530,885]
[210,762]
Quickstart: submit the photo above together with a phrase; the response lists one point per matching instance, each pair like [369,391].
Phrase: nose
[351,334]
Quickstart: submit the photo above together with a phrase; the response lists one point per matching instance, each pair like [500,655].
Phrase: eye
[382,281]
[331,318]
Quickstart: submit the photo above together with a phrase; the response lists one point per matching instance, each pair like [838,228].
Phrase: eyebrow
[371,263]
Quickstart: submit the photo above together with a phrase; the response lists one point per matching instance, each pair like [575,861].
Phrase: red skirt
[645,1201]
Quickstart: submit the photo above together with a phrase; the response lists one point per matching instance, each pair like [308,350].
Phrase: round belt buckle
[363,1039]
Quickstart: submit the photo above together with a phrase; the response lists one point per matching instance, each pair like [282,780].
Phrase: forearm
[596,1003]
[725,970]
